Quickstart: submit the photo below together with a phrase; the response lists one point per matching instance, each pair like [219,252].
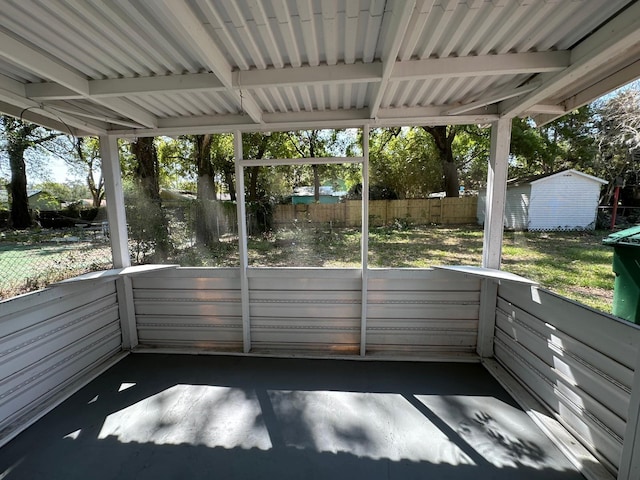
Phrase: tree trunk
[20,215]
[17,143]
[206,211]
[228,172]
[316,183]
[443,142]
[147,176]
[253,184]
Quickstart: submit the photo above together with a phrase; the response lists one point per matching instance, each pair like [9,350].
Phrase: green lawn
[573,264]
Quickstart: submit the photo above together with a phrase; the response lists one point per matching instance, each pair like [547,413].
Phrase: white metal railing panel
[189,308]
[50,340]
[589,370]
[421,311]
[25,313]
[305,309]
[577,361]
[619,340]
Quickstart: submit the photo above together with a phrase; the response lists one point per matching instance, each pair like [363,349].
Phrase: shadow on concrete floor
[198,417]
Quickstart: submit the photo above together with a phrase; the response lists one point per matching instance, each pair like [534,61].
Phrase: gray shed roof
[514,182]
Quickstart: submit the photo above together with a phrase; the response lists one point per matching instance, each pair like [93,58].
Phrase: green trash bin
[626,266]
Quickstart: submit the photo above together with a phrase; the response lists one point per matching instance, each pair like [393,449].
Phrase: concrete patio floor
[155,416]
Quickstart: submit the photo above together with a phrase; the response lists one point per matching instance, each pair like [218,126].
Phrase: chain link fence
[33,260]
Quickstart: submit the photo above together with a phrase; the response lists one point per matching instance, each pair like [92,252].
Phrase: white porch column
[119,238]
[496,193]
[115,201]
[242,243]
[364,255]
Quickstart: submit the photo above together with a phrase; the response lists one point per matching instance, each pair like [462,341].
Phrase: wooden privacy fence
[443,211]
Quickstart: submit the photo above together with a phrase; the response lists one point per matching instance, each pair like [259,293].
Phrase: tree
[145,204]
[206,212]
[564,143]
[19,137]
[403,164]
[443,137]
[87,156]
[311,144]
[617,127]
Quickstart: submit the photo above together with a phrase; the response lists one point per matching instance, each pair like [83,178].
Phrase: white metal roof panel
[156,66]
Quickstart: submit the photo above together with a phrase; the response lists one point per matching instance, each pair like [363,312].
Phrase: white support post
[242,243]
[487,317]
[119,238]
[496,193]
[629,468]
[364,243]
[115,201]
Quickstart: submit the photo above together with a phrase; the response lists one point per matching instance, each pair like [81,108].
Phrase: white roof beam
[614,38]
[148,85]
[304,120]
[547,110]
[506,64]
[309,75]
[608,84]
[12,92]
[92,116]
[193,29]
[401,16]
[490,98]
[252,79]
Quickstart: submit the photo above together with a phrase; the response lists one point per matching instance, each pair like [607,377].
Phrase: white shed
[565,200]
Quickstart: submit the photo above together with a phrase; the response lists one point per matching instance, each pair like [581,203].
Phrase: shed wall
[516,208]
[564,202]
[49,341]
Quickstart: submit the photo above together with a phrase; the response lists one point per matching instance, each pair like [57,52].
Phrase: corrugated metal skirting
[49,340]
[578,362]
[309,309]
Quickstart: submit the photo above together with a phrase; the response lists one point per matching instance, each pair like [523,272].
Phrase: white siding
[565,201]
[516,207]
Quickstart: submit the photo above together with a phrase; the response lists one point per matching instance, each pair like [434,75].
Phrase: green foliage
[564,143]
[148,232]
[403,161]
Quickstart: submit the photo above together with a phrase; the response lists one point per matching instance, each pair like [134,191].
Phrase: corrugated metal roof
[172,66]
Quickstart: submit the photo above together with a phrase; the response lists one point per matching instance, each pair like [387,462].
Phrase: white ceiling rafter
[191,26]
[614,38]
[400,18]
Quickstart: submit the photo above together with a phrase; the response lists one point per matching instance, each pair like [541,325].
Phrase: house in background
[565,200]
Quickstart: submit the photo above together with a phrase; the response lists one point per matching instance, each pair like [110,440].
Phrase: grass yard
[28,266]
[573,264]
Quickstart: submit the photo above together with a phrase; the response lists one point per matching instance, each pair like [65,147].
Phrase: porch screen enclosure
[143,68]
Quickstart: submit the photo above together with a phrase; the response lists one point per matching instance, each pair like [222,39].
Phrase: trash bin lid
[630,236]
